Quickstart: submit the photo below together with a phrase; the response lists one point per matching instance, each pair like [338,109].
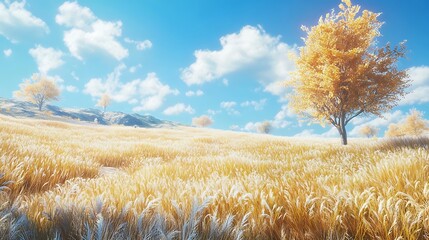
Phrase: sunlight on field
[102,182]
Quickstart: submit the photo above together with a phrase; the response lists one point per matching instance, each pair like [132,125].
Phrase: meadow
[66,181]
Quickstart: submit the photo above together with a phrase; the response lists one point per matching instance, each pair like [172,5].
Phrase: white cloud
[140,45]
[17,23]
[74,76]
[178,109]
[88,34]
[234,127]
[250,127]
[196,93]
[7,52]
[285,111]
[149,92]
[280,123]
[71,88]
[251,49]
[212,112]
[280,118]
[133,69]
[309,133]
[377,122]
[153,92]
[257,105]
[225,82]
[419,88]
[46,58]
[332,132]
[258,127]
[229,107]
[71,14]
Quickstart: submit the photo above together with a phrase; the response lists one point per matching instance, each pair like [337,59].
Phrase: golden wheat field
[111,182]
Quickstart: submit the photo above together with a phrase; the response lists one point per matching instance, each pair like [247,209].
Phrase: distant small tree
[104,101]
[342,73]
[368,131]
[38,90]
[393,131]
[264,127]
[413,125]
[202,121]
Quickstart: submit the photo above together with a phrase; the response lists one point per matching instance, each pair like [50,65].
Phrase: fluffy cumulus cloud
[140,45]
[46,58]
[17,23]
[250,49]
[419,89]
[194,93]
[284,112]
[89,34]
[281,118]
[178,109]
[148,93]
[7,52]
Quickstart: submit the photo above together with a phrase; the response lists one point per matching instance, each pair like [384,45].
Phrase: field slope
[115,182]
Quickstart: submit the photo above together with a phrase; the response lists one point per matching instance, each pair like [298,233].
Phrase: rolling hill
[20,109]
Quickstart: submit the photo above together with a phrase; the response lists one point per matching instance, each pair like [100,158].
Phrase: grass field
[83,182]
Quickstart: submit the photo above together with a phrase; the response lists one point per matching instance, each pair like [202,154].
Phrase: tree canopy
[38,90]
[341,73]
[104,101]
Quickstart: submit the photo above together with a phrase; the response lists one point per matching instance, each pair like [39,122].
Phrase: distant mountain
[17,108]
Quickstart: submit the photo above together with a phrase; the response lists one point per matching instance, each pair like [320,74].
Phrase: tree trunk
[344,136]
[343,131]
[40,102]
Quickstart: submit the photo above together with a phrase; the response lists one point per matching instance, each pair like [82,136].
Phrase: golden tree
[413,125]
[202,121]
[368,131]
[393,131]
[104,101]
[342,74]
[38,90]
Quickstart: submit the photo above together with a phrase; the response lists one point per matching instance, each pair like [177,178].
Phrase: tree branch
[355,115]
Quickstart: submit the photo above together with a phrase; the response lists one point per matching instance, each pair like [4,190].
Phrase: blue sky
[178,60]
